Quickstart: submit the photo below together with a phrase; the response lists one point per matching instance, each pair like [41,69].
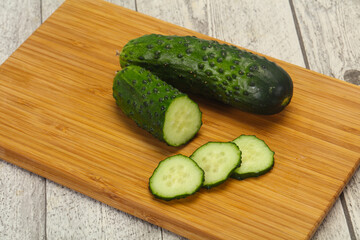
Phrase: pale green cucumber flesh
[182,121]
[257,158]
[176,177]
[218,160]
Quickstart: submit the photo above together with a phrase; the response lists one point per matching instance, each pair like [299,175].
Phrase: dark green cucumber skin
[254,174]
[218,71]
[144,97]
[230,173]
[178,196]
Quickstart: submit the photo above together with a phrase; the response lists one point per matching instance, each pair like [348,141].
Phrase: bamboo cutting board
[58,119]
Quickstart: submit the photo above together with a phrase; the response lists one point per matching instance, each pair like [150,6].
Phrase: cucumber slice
[218,160]
[257,158]
[176,177]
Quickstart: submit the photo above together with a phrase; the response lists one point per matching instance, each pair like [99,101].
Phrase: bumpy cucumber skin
[219,71]
[144,97]
[181,195]
[254,174]
[208,186]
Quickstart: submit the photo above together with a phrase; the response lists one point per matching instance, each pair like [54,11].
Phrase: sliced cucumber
[218,160]
[156,106]
[176,177]
[257,158]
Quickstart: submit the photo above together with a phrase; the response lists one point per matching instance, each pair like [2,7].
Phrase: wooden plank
[22,203]
[331,34]
[83,217]
[80,127]
[22,194]
[334,225]
[193,15]
[352,196]
[251,24]
[48,7]
[181,13]
[71,215]
[13,31]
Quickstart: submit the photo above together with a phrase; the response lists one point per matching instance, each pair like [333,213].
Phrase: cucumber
[218,160]
[218,71]
[156,106]
[176,177]
[257,158]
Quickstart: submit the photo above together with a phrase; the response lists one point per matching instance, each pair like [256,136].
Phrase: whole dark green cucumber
[219,71]
[156,106]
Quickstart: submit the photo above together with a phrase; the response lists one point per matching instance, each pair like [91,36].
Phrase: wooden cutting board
[58,119]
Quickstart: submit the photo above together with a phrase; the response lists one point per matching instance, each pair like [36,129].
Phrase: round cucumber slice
[176,177]
[218,160]
[257,157]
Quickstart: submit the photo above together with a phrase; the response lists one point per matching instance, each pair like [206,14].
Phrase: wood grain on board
[66,209]
[64,125]
[22,194]
[332,44]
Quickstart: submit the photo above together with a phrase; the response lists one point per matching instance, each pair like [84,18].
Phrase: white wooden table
[322,35]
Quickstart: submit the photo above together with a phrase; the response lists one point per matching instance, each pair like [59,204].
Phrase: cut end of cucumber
[218,160]
[256,157]
[176,177]
[182,121]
